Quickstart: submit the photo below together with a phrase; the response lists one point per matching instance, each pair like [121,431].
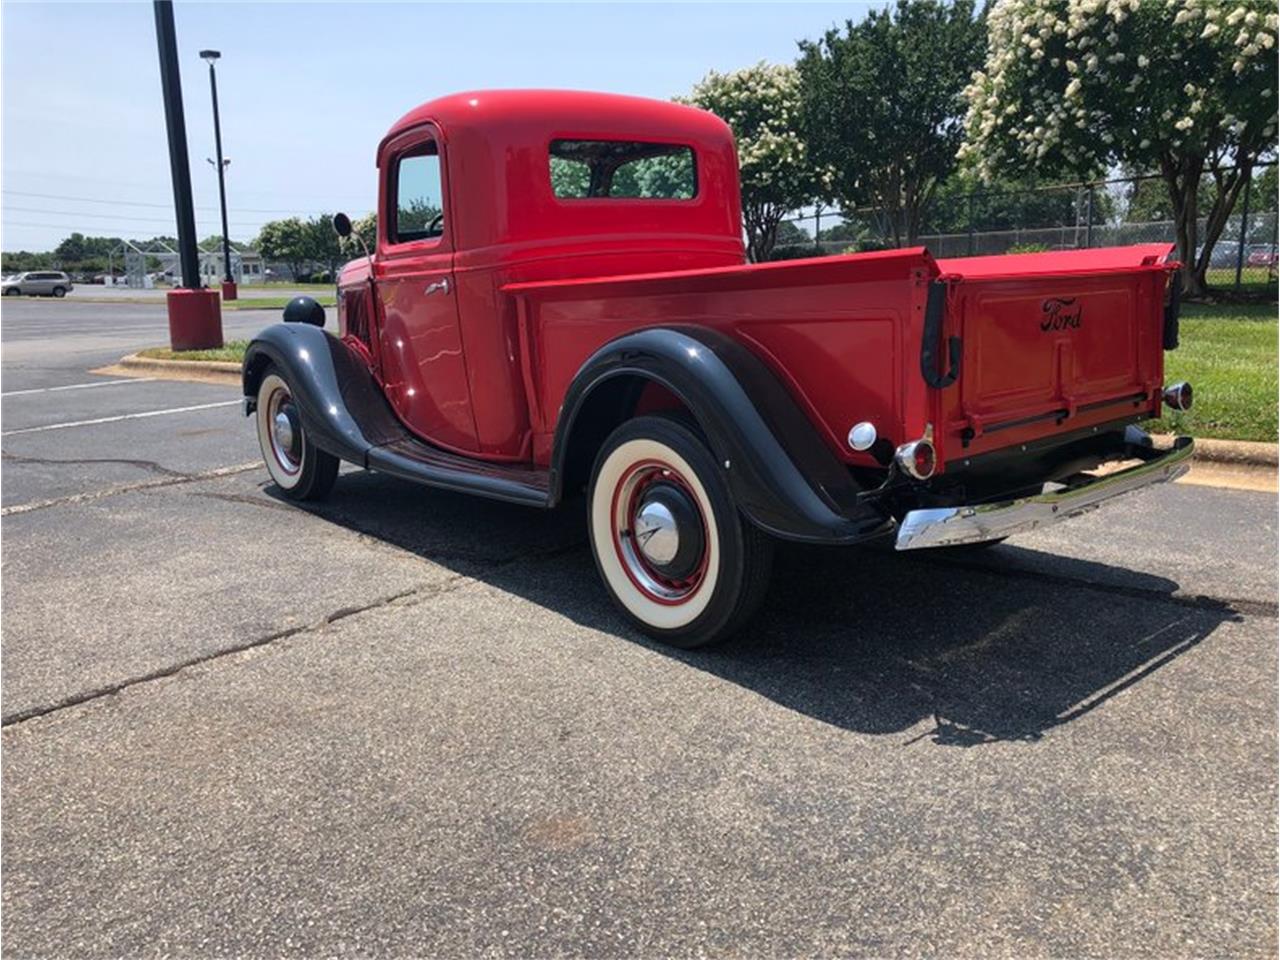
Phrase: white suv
[49,283]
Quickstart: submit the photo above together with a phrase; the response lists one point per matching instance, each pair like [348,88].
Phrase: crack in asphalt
[166,481]
[150,465]
[110,689]
[247,498]
[1236,606]
[416,594]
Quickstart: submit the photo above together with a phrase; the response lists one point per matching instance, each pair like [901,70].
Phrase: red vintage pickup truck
[558,302]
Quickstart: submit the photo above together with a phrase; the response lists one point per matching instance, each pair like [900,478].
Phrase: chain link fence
[1061,217]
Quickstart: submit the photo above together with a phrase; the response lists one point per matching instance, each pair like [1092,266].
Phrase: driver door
[420,341]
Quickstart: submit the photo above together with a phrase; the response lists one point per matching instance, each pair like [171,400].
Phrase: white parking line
[75,386]
[127,416]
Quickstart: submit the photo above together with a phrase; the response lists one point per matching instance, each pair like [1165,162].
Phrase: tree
[20,261]
[71,250]
[289,241]
[965,200]
[1147,199]
[791,235]
[1069,85]
[367,229]
[882,105]
[761,104]
[325,245]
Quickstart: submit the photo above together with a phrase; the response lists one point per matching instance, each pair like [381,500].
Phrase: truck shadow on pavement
[986,646]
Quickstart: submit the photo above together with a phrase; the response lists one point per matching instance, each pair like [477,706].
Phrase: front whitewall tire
[300,469]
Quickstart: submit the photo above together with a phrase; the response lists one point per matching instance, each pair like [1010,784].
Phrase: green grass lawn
[230,352]
[1253,280]
[1228,353]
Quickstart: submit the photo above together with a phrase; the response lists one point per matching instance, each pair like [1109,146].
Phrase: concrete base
[195,319]
[229,290]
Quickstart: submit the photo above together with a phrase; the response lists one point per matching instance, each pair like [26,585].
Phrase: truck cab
[557,301]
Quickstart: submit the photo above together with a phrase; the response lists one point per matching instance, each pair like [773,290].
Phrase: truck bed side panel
[834,330]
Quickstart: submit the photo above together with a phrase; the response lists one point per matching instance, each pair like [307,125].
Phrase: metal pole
[1088,224]
[1244,229]
[175,123]
[222,186]
[972,226]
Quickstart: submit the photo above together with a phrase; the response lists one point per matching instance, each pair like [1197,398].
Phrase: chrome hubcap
[656,533]
[285,431]
[660,533]
[283,428]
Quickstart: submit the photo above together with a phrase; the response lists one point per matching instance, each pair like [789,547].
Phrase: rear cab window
[622,170]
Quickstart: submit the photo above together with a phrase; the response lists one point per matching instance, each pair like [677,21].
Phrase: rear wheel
[300,469]
[675,554]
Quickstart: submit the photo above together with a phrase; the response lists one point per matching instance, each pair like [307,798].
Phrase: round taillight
[917,459]
[1178,395]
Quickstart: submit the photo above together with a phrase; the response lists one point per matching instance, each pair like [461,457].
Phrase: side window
[417,209]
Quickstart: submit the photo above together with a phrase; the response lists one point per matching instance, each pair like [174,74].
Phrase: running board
[411,459]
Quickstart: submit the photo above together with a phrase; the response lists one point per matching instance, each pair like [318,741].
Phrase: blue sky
[307,90]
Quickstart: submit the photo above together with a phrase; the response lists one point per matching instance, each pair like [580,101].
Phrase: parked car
[1222,255]
[557,302]
[45,283]
[1261,255]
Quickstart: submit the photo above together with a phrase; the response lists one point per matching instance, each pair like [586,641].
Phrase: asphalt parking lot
[409,722]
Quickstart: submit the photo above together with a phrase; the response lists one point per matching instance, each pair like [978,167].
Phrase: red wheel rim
[628,497]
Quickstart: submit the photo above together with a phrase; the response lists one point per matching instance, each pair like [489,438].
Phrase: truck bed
[1048,344]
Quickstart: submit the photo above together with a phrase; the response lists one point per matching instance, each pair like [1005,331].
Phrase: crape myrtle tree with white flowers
[761,106]
[1177,86]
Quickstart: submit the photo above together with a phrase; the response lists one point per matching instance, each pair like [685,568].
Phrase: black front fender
[342,407]
[782,474]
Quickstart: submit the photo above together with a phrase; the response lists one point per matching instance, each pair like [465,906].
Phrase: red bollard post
[195,319]
[229,290]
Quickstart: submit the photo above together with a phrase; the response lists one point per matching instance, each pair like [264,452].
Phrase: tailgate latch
[935,306]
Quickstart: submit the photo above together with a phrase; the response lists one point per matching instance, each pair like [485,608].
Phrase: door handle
[440,286]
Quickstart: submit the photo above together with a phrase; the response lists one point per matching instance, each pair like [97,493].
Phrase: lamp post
[228,283]
[195,321]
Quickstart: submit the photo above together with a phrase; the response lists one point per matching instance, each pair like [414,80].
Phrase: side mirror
[342,224]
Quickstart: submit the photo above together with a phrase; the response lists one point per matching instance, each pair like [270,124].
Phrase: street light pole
[195,320]
[228,284]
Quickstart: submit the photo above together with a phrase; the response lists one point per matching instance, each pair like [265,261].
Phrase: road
[409,722]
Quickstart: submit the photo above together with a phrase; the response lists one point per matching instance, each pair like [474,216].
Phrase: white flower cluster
[761,104]
[1063,76]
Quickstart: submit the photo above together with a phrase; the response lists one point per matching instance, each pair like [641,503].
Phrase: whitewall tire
[300,469]
[675,554]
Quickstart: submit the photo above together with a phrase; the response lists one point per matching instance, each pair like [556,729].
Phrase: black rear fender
[783,476]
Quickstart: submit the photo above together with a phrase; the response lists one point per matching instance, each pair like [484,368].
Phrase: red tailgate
[1052,343]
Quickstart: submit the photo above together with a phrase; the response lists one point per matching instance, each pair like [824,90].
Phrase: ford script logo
[1060,313]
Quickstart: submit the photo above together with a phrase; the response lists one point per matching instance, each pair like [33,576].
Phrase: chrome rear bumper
[952,526]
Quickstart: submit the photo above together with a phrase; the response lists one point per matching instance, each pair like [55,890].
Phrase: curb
[203,371]
[1243,453]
